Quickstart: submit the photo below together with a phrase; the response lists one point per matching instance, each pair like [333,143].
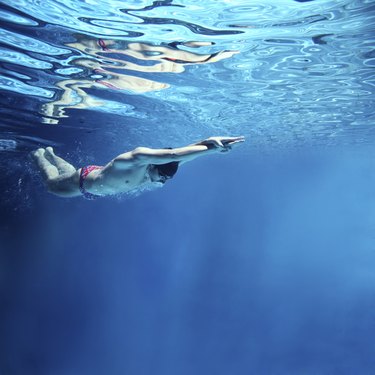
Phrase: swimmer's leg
[48,170]
[62,165]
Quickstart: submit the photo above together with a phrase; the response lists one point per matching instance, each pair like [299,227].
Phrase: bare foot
[38,153]
[50,155]
[50,150]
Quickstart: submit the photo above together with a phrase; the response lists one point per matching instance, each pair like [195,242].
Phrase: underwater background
[256,261]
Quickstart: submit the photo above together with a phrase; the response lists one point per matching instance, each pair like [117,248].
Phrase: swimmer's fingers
[214,141]
[225,140]
[223,144]
[228,144]
[234,143]
[233,140]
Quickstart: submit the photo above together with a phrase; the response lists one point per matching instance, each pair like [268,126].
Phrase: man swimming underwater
[125,173]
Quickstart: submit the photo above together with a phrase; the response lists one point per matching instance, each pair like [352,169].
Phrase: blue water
[257,261]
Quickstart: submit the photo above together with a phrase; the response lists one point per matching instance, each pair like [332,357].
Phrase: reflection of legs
[49,171]
[62,166]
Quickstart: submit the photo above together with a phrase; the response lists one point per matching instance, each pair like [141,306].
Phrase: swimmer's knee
[53,186]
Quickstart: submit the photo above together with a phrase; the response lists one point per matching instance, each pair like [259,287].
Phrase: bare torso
[113,180]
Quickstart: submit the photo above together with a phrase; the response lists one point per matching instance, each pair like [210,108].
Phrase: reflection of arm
[160,66]
[141,51]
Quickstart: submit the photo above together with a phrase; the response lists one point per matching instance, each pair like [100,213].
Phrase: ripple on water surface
[283,72]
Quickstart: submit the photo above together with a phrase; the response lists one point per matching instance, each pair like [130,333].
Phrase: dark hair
[167,170]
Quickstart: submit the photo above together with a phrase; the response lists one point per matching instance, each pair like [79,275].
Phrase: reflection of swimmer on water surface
[161,53]
[167,59]
[128,172]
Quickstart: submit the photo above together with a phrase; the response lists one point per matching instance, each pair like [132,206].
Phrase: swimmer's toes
[50,150]
[37,153]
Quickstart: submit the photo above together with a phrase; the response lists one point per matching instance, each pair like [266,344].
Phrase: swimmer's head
[163,172]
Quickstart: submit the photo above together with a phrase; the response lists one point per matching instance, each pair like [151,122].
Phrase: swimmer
[125,173]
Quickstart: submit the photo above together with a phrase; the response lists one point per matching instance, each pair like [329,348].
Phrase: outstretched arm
[144,155]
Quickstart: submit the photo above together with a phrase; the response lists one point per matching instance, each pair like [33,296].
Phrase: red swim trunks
[85,171]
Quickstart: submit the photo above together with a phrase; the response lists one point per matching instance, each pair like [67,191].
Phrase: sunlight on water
[282,72]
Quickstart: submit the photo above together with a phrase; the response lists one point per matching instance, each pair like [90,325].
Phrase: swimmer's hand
[222,144]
